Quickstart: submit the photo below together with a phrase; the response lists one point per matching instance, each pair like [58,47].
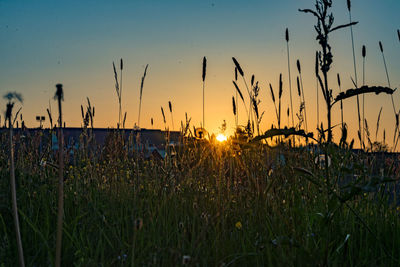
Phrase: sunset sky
[75,42]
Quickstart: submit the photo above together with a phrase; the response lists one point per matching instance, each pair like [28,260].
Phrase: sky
[43,43]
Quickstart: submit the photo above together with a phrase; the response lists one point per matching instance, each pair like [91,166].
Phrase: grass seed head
[234,105]
[204,68]
[298,86]
[364,51]
[381,46]
[236,73]
[272,93]
[238,90]
[287,35]
[238,66]
[298,66]
[59,92]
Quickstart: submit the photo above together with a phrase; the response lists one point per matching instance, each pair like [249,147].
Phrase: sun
[221,138]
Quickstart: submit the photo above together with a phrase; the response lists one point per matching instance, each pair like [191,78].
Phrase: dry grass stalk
[59,96]
[364,54]
[234,109]
[355,69]
[280,99]
[172,116]
[290,78]
[241,96]
[141,92]
[341,101]
[10,97]
[377,124]
[237,107]
[250,110]
[163,114]
[204,78]
[118,89]
[302,92]
[273,100]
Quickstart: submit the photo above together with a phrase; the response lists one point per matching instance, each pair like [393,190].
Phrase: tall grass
[215,203]
[141,92]
[59,96]
[11,97]
[289,74]
[203,76]
[302,93]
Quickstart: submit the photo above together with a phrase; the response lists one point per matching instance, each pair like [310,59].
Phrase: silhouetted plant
[250,110]
[118,89]
[290,78]
[203,76]
[323,28]
[11,97]
[59,96]
[141,92]
[172,115]
[163,115]
[302,92]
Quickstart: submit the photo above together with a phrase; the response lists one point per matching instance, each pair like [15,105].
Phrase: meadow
[281,197]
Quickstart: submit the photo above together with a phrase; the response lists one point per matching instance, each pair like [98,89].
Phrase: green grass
[190,205]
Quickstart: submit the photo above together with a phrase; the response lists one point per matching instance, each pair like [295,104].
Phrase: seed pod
[122,64]
[364,51]
[338,79]
[349,5]
[381,46]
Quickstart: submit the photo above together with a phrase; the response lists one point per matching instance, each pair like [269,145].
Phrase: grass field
[207,204]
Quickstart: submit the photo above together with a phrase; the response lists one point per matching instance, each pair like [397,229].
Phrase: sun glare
[221,138]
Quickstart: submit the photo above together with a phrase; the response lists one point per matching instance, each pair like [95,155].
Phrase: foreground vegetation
[205,204]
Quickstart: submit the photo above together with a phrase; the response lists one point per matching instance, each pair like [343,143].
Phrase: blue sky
[75,42]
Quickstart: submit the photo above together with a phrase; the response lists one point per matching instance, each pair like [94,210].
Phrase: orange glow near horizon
[221,138]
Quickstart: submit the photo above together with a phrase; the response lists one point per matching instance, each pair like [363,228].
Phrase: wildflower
[186,259]
[238,225]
